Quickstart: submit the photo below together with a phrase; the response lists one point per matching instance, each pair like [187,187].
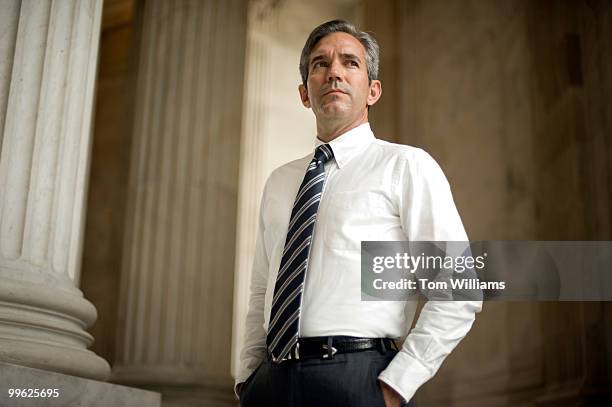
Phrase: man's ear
[304,95]
[375,92]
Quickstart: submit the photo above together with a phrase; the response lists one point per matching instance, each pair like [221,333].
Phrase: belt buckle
[326,348]
[294,354]
[296,351]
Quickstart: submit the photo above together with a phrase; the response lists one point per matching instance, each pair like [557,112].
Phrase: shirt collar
[349,144]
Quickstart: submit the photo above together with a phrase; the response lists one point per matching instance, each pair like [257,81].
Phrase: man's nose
[334,73]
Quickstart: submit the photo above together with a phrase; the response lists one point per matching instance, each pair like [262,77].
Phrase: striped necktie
[285,313]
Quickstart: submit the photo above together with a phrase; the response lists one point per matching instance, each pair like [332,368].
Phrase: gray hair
[372,50]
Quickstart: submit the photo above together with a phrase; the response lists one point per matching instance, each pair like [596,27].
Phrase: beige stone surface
[107,196]
[71,391]
[511,99]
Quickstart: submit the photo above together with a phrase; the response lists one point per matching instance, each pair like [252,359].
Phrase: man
[310,340]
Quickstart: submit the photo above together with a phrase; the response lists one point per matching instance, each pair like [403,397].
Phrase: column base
[44,328]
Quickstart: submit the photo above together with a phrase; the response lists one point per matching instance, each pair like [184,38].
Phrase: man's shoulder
[299,164]
[291,169]
[403,152]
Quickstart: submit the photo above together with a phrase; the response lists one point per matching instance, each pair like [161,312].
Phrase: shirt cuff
[405,375]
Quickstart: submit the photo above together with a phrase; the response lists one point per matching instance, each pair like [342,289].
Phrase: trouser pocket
[378,364]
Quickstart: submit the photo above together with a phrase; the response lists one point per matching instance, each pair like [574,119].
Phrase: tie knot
[323,153]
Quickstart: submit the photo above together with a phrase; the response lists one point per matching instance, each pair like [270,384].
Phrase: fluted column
[177,273]
[252,175]
[48,53]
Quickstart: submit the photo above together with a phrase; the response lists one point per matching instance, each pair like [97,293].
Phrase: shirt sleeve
[254,349]
[428,213]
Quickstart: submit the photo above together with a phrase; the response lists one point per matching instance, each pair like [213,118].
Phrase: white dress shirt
[374,190]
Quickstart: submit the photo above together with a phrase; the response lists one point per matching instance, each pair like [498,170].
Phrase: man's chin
[335,110]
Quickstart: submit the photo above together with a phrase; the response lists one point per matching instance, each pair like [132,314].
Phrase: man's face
[338,79]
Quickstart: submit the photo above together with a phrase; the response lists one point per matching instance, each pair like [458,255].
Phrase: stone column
[48,53]
[179,248]
[252,176]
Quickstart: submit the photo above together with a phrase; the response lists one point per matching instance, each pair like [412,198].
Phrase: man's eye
[318,64]
[353,63]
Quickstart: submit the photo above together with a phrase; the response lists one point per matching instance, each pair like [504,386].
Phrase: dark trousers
[349,379]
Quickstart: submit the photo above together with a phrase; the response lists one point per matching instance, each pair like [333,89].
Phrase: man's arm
[254,349]
[428,213]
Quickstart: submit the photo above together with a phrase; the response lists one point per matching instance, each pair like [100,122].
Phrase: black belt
[325,347]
